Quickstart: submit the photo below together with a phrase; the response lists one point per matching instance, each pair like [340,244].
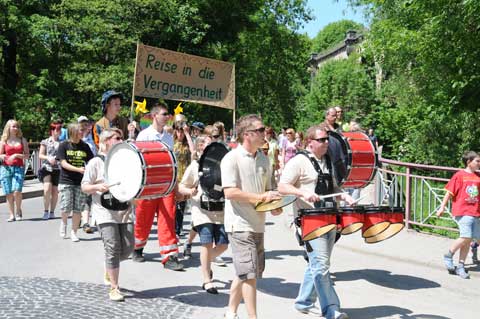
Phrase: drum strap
[324,181]
[108,201]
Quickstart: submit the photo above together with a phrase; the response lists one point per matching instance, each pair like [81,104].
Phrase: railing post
[408,198]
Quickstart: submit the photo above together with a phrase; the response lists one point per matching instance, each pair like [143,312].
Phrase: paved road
[44,276]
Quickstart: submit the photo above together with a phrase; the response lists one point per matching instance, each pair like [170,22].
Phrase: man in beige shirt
[245,181]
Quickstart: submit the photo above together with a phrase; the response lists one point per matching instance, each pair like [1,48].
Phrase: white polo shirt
[250,174]
[151,134]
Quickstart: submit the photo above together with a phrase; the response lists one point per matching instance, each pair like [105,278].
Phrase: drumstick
[114,184]
[359,199]
[331,195]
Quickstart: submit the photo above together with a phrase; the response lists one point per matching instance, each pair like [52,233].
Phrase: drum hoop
[316,211]
[142,162]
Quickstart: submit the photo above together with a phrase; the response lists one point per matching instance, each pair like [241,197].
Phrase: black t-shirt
[76,155]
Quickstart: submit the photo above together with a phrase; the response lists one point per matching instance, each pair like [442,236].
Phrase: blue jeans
[316,281]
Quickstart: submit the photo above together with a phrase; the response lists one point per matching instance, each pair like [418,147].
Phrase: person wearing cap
[111,105]
[197,129]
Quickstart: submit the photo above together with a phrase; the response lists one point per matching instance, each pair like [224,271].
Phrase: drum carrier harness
[108,200]
[324,187]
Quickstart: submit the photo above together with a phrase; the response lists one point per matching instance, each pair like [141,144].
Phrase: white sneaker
[63,230]
[46,216]
[219,262]
[74,237]
[230,315]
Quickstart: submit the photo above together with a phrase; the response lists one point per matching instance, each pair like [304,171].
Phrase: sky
[327,11]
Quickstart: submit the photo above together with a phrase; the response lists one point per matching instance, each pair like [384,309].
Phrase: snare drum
[145,170]
[316,222]
[376,220]
[395,216]
[356,164]
[350,219]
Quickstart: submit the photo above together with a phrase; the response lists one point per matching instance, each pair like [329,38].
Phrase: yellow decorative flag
[141,106]
[178,109]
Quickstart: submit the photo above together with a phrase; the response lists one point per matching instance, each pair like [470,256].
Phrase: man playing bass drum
[307,176]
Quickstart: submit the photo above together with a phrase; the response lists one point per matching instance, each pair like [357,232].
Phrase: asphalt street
[44,276]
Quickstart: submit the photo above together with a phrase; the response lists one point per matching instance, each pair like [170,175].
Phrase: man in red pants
[163,208]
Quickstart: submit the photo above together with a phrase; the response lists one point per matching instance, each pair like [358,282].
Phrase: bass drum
[210,177]
[142,170]
[354,158]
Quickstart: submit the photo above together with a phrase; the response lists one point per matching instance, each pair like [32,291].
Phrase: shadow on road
[191,295]
[387,312]
[278,287]
[386,279]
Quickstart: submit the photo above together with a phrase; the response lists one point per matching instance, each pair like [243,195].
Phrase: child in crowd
[463,189]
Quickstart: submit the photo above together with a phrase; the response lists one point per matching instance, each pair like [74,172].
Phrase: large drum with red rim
[316,222]
[142,170]
[354,157]
[350,219]
[376,220]
[395,217]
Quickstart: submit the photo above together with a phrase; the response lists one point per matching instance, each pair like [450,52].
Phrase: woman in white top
[112,217]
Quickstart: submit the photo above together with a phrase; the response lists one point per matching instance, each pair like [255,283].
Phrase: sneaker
[230,315]
[19,217]
[11,219]
[309,311]
[137,256]
[106,279]
[187,252]
[46,215]
[87,229]
[448,261]
[172,263]
[63,230]
[115,295]
[73,236]
[219,262]
[52,215]
[462,273]
[341,315]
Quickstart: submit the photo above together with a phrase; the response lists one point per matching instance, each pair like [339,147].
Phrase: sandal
[210,288]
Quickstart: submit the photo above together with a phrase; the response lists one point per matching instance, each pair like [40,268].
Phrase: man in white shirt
[246,181]
[308,182]
[163,208]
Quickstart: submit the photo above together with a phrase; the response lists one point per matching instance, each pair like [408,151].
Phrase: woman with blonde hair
[13,152]
[73,155]
[113,218]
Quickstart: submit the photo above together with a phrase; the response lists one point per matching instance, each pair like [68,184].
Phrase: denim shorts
[12,178]
[210,233]
[469,226]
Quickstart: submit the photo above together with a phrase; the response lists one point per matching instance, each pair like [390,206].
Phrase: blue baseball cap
[107,95]
[198,125]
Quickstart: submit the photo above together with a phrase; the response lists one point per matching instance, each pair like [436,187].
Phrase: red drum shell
[316,222]
[376,220]
[361,158]
[154,166]
[395,216]
[351,219]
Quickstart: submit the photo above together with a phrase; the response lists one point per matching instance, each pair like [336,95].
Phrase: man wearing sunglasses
[308,176]
[246,181]
[163,208]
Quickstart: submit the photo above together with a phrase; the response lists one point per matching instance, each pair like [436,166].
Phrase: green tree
[333,33]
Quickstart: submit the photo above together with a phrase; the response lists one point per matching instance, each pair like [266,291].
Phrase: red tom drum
[316,222]
[142,170]
[376,220]
[351,219]
[354,157]
[395,217]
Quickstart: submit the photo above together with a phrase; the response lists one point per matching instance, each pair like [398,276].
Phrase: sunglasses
[215,136]
[258,130]
[289,133]
[164,113]
[117,138]
[321,139]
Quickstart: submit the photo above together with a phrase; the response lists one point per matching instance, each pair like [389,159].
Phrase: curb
[26,195]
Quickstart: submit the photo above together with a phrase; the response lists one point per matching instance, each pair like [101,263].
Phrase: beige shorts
[248,254]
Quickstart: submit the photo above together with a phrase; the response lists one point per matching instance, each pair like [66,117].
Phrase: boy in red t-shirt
[463,188]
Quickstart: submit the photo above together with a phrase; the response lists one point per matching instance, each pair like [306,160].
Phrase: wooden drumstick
[331,195]
[114,184]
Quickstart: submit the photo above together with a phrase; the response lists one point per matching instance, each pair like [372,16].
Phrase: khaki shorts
[248,254]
